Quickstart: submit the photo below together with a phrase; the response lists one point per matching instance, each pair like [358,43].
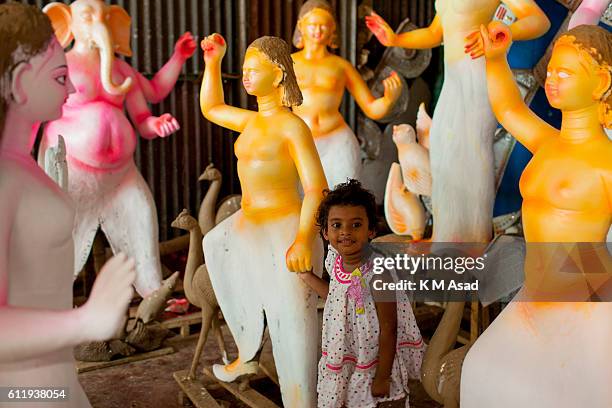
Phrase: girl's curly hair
[350,193]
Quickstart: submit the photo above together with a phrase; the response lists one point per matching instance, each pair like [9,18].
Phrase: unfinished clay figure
[463,126]
[555,353]
[107,189]
[323,77]
[251,255]
[38,325]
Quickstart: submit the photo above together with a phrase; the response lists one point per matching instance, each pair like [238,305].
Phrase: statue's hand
[105,311]
[214,48]
[379,27]
[393,87]
[299,256]
[165,125]
[492,41]
[186,45]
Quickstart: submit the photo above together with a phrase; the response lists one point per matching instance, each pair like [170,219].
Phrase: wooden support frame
[85,366]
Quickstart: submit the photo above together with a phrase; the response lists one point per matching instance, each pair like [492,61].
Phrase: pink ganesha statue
[107,189]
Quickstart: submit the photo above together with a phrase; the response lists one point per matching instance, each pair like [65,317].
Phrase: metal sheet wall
[171,166]
[420,12]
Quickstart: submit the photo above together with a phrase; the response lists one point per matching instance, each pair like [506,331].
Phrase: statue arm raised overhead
[506,99]
[212,100]
[156,89]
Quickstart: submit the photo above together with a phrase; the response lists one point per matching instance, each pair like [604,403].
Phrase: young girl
[370,349]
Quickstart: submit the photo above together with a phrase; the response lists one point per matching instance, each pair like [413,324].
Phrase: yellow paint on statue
[275,150]
[323,76]
[567,185]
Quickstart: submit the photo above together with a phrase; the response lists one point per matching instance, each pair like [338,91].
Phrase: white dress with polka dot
[350,342]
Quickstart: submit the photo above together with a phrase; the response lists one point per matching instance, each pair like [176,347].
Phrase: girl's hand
[379,27]
[304,275]
[214,47]
[381,387]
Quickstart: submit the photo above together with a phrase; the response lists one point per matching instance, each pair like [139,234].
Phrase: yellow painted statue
[544,353]
[461,142]
[323,77]
[252,254]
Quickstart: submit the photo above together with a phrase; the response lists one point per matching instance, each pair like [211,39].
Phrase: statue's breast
[323,76]
[85,77]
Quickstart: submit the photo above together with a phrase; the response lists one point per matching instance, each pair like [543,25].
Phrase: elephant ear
[119,24]
[61,18]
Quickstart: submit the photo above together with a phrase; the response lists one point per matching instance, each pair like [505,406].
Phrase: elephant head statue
[95,24]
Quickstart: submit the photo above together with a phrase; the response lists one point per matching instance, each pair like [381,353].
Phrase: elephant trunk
[103,41]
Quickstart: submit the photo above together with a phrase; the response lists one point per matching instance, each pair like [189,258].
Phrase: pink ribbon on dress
[356,285]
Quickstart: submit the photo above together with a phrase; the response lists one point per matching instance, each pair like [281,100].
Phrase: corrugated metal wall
[171,166]
[420,12]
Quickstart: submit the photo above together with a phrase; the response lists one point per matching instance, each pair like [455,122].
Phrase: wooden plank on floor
[84,366]
[249,396]
[269,369]
[195,391]
[463,337]
[187,320]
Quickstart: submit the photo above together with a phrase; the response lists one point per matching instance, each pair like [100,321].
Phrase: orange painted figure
[554,353]
[250,255]
[323,77]
[461,152]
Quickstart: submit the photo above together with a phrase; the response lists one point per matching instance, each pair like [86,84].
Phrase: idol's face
[45,84]
[260,76]
[317,27]
[571,79]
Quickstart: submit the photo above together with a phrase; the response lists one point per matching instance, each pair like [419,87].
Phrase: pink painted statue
[104,182]
[589,12]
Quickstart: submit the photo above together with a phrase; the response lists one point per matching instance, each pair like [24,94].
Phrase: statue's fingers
[162,129]
[290,264]
[473,36]
[395,80]
[477,54]
[484,35]
[378,18]
[307,264]
[472,46]
[372,26]
[300,264]
[386,83]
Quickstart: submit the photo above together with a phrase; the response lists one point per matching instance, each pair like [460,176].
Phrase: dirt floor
[150,383]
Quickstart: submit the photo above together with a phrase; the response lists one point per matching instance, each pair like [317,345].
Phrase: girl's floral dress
[350,341]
